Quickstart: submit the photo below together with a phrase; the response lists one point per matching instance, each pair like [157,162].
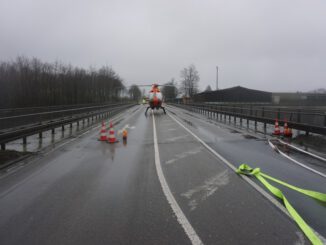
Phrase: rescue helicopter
[155,98]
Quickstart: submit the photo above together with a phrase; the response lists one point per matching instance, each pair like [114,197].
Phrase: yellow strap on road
[247,170]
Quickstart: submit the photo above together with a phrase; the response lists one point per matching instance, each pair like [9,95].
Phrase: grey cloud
[269,45]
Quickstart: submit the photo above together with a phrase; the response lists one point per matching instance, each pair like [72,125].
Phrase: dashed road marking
[184,154]
[208,188]
[182,219]
[252,183]
[177,138]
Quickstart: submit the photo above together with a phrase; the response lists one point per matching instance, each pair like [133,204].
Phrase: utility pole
[216,77]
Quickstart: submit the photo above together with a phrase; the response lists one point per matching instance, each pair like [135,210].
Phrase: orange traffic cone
[287,131]
[112,138]
[103,133]
[276,128]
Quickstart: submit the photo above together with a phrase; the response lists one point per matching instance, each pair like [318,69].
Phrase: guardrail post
[299,116]
[247,123]
[24,140]
[62,127]
[241,113]
[325,120]
[40,135]
[53,131]
[3,146]
[234,117]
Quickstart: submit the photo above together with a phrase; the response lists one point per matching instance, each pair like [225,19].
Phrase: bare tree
[169,90]
[189,80]
[135,92]
[208,88]
[30,82]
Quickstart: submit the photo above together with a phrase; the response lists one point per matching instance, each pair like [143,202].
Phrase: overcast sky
[272,45]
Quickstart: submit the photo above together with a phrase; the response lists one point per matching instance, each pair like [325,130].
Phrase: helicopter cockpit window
[159,96]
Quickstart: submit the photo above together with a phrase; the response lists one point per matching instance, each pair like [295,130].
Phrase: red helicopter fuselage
[155,99]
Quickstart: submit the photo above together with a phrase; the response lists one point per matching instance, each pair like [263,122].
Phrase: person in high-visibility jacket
[124,134]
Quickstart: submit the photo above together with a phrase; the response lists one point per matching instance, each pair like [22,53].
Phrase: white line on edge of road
[257,187]
[303,151]
[295,161]
[253,184]
[182,219]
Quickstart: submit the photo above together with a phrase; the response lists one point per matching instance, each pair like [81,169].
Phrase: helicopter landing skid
[147,110]
[163,108]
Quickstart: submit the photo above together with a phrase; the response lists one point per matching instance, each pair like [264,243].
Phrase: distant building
[236,94]
[240,94]
[299,99]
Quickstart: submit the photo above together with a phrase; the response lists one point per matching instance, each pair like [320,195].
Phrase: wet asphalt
[240,146]
[91,192]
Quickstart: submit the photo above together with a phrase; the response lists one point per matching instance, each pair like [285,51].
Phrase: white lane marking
[182,219]
[246,178]
[184,154]
[303,151]
[251,182]
[177,138]
[295,161]
[301,240]
[202,192]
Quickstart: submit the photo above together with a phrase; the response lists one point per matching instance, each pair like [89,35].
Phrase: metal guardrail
[11,134]
[305,121]
[40,115]
[7,112]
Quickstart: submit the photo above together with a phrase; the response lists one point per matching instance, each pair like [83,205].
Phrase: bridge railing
[300,119]
[38,123]
[40,115]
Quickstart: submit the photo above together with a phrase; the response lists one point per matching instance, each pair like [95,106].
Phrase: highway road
[163,186]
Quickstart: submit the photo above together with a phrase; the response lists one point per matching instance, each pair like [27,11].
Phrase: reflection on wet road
[238,148]
[91,192]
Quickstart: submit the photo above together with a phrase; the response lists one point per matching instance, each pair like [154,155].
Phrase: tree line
[28,82]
